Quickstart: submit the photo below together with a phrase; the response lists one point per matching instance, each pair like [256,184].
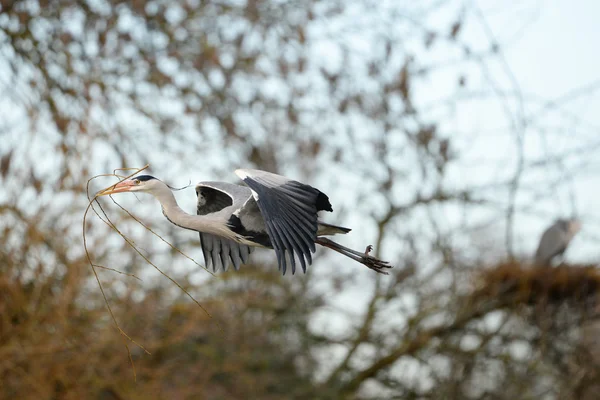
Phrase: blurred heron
[555,239]
[271,211]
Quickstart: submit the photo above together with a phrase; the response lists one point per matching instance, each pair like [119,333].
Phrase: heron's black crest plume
[144,178]
[181,188]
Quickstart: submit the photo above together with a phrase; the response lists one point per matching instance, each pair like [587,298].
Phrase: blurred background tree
[344,95]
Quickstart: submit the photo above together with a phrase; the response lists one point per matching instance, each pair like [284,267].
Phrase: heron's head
[574,226]
[142,183]
[570,226]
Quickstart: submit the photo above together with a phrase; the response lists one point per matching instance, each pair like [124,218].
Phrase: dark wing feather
[211,200]
[218,251]
[289,209]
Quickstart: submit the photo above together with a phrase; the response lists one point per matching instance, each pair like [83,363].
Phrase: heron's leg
[371,262]
[323,241]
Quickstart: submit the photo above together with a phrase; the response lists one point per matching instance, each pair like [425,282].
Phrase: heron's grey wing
[251,217]
[218,251]
[289,209]
[552,243]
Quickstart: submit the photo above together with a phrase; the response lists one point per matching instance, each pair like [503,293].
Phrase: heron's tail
[371,262]
[328,229]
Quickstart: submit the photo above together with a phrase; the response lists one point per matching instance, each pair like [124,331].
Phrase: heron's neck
[170,208]
[177,216]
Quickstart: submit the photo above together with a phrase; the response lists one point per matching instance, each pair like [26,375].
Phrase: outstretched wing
[289,209]
[218,251]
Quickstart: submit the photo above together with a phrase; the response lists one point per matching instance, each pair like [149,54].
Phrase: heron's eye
[136,181]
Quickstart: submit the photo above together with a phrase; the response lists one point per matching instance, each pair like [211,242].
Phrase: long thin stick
[161,238]
[124,335]
[130,243]
[107,221]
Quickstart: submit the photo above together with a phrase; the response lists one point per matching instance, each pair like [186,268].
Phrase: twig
[124,335]
[108,221]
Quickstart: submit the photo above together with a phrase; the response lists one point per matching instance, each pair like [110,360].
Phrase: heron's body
[270,212]
[555,240]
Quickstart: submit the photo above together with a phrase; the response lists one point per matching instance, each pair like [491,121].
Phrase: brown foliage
[57,342]
[57,339]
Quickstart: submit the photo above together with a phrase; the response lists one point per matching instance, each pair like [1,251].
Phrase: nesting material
[524,283]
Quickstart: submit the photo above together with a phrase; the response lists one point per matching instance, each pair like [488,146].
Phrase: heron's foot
[371,262]
[374,263]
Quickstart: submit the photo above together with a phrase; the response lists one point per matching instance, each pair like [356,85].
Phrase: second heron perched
[555,239]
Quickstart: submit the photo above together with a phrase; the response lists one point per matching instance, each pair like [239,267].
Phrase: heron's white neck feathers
[201,223]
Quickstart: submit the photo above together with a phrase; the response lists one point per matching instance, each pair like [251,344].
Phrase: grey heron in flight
[555,239]
[270,212]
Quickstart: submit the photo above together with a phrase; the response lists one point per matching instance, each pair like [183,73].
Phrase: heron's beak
[121,187]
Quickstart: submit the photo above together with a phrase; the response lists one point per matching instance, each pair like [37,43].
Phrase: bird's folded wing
[219,252]
[289,209]
[552,243]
